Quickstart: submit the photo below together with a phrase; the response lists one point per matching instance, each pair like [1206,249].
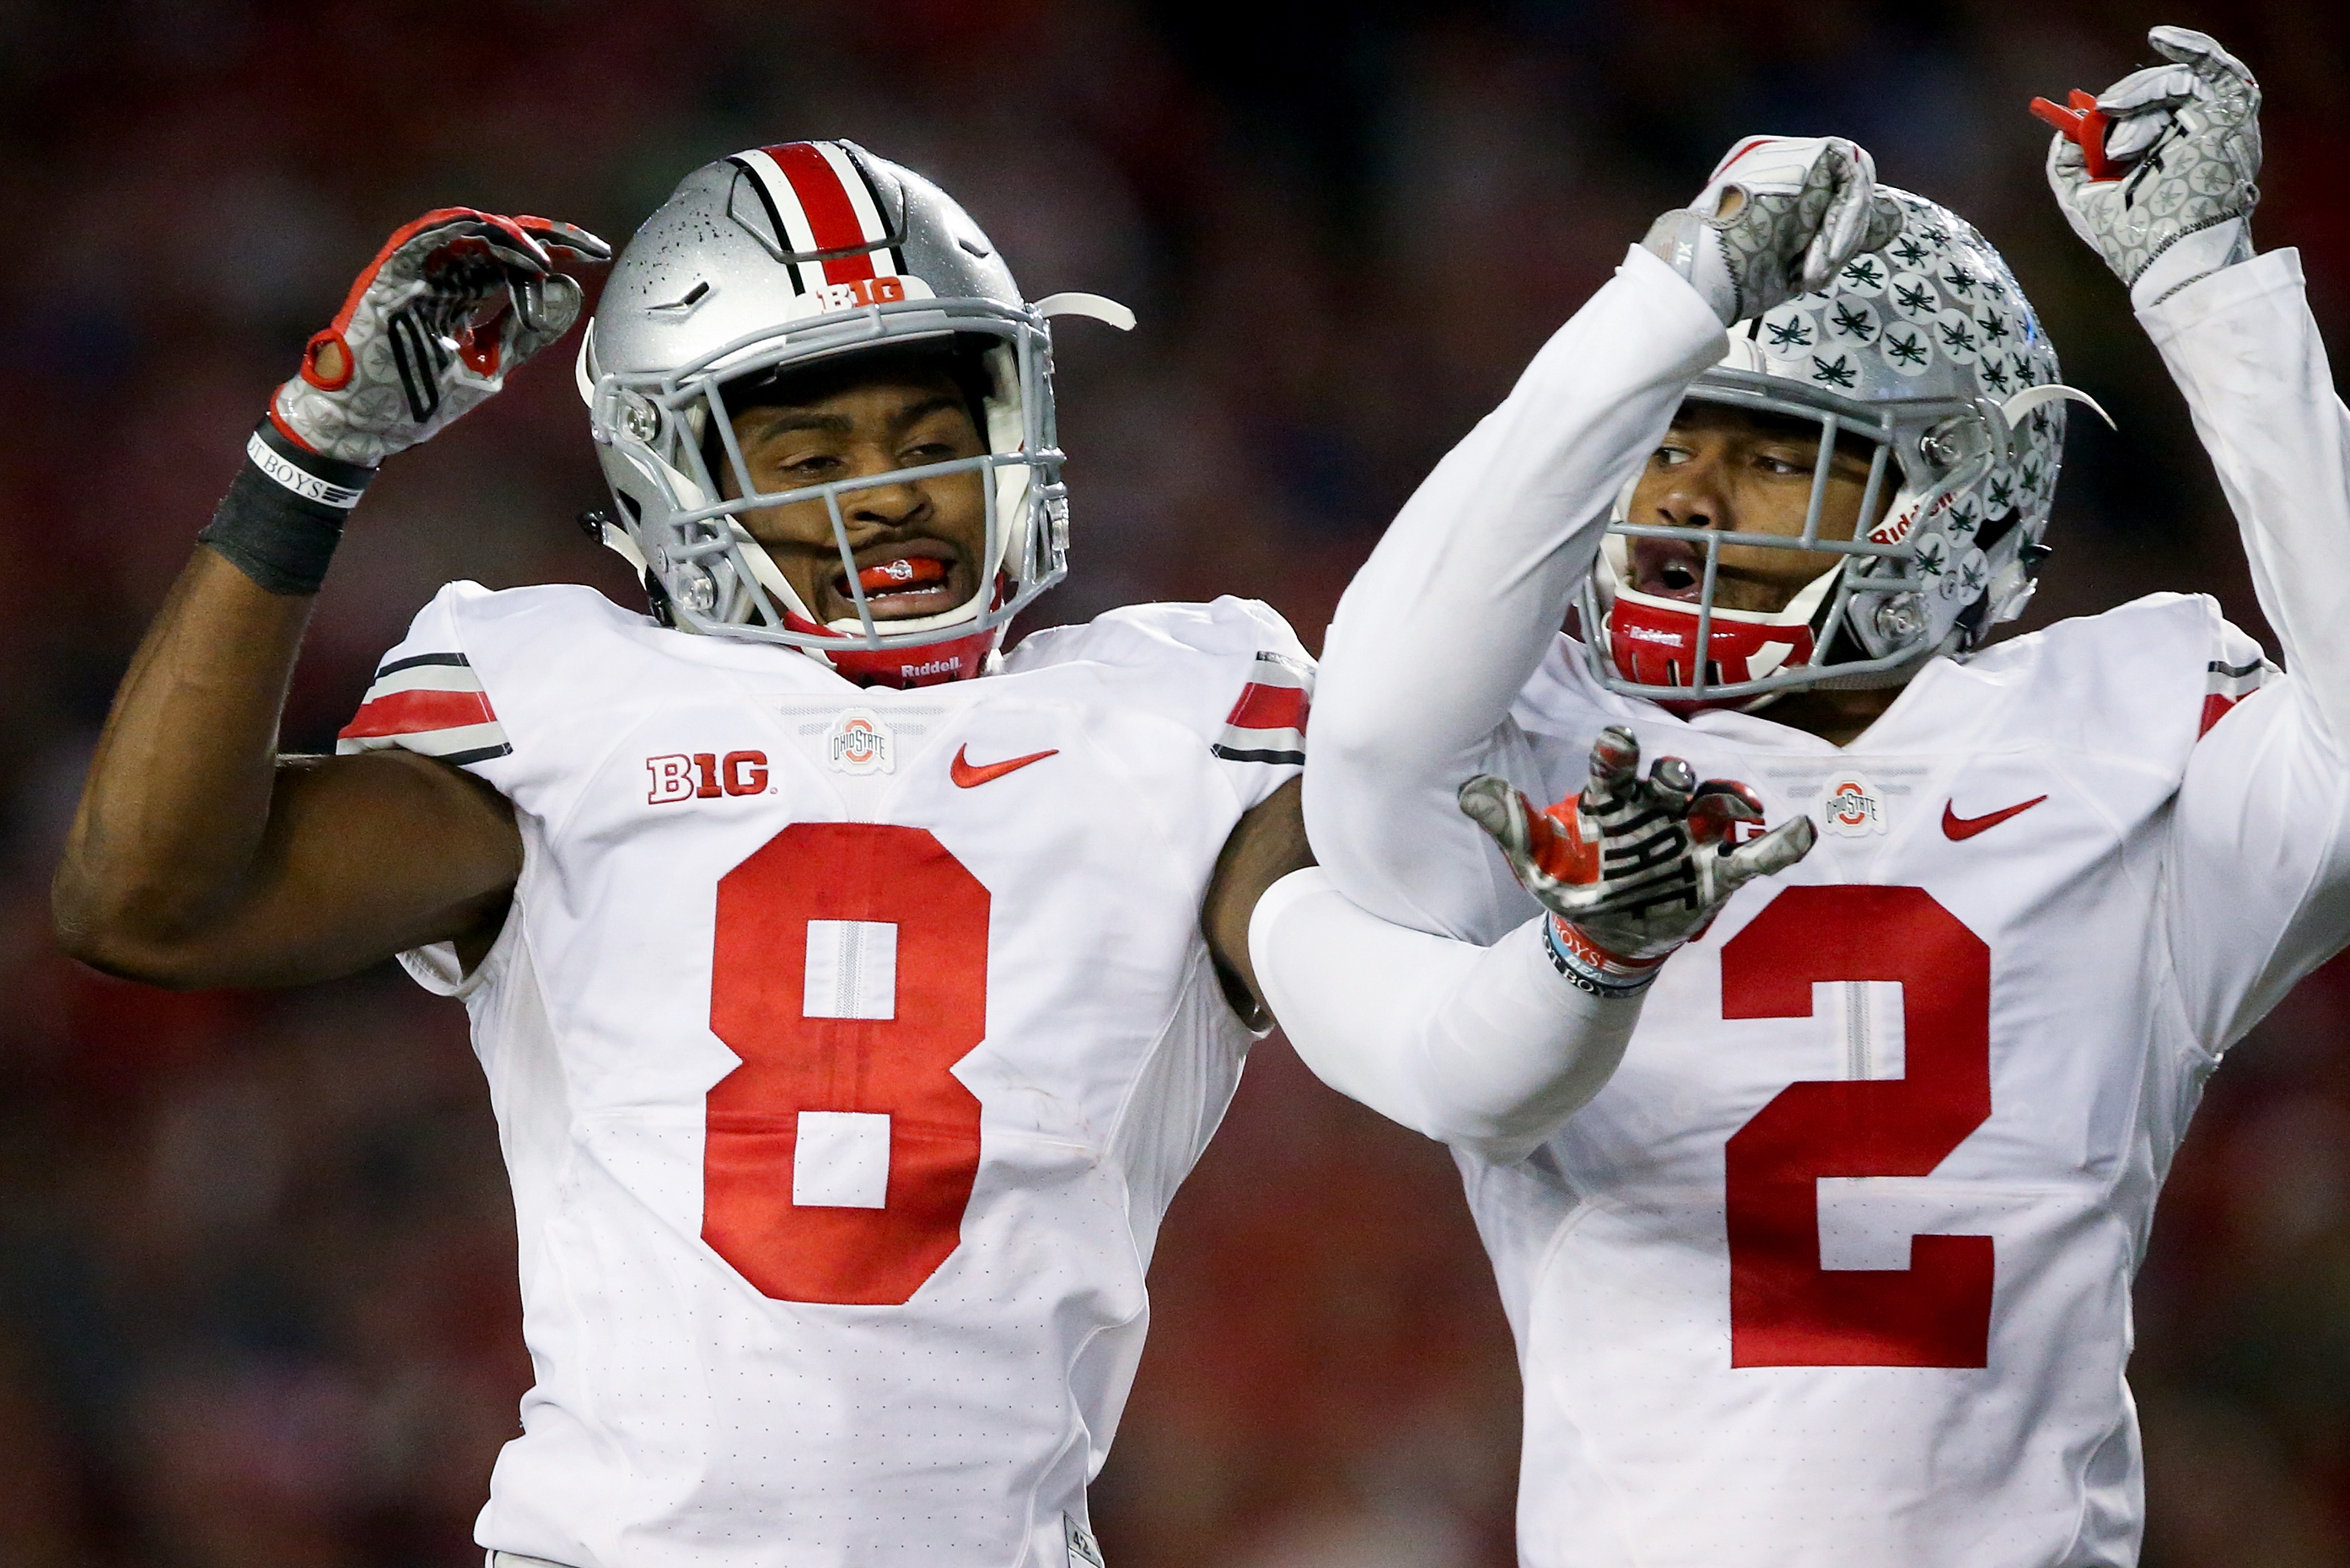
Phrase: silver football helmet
[1927,350]
[780,257]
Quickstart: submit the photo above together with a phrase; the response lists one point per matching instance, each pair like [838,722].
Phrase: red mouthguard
[904,572]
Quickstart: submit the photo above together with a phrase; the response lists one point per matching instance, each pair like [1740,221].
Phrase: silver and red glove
[451,303]
[1778,217]
[2157,172]
[1631,867]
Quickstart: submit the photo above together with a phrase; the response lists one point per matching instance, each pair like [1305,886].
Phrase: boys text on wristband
[284,513]
[1591,968]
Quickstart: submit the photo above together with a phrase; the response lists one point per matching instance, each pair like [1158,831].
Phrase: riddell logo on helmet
[1652,634]
[1895,529]
[705,776]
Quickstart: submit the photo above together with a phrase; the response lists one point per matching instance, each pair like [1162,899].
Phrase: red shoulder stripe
[412,712]
[1269,708]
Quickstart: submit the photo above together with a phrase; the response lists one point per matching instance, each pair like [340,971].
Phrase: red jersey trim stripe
[1267,725]
[412,712]
[430,703]
[2227,684]
[1269,708]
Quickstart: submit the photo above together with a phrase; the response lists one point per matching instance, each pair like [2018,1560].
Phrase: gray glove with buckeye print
[2157,172]
[1777,218]
[1631,868]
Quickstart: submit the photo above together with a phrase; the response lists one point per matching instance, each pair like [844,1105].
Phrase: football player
[1835,1269]
[850,1018]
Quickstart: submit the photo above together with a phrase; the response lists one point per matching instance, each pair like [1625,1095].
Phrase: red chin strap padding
[932,664]
[1657,647]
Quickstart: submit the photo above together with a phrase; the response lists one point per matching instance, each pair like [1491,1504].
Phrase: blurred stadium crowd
[258,1306]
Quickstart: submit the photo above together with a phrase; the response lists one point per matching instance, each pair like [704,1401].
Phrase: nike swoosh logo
[966,776]
[1956,827]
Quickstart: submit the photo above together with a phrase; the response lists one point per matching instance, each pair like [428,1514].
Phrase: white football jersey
[846,1046]
[1835,1270]
[1836,1267]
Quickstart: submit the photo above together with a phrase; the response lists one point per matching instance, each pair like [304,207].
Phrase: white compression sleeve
[1456,608]
[1486,1048]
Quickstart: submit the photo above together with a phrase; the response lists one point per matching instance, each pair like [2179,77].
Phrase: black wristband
[283,516]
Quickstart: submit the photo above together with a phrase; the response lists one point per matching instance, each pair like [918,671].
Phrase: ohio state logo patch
[860,743]
[1851,806]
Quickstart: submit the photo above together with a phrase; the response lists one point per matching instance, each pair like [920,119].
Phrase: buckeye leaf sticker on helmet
[1926,355]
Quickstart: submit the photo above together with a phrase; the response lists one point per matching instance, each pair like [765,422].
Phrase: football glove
[451,303]
[2157,172]
[1631,867]
[1777,218]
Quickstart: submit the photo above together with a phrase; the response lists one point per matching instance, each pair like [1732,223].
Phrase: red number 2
[1785,1309]
[879,1042]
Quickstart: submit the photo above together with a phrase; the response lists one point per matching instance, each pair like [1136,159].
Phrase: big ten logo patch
[859,291]
[705,776]
[1851,807]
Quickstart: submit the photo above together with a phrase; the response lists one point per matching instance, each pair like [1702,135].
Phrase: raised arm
[2260,889]
[2158,174]
[1462,599]
[199,857]
[2246,352]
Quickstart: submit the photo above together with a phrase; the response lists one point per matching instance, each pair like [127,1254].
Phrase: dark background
[258,1304]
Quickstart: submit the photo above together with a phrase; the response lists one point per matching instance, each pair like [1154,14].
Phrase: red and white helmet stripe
[821,207]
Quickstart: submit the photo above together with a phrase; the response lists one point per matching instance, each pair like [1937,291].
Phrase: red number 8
[894,1065]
